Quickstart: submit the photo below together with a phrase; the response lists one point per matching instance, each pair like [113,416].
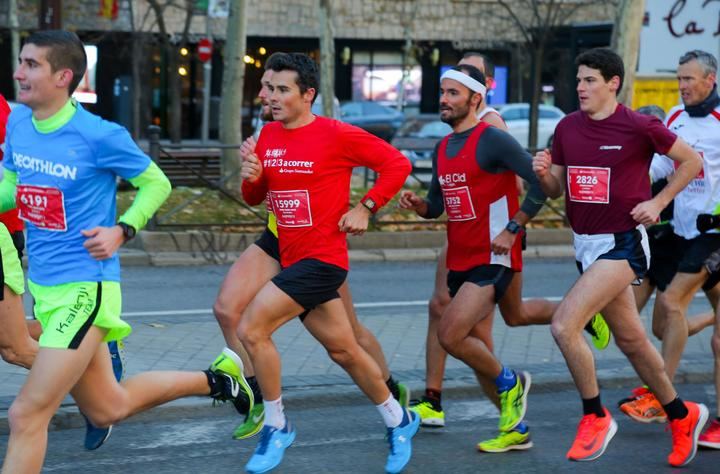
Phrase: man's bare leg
[17,346]
[86,371]
[250,272]
[517,312]
[674,302]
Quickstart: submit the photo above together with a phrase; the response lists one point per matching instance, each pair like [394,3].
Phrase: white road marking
[380,304]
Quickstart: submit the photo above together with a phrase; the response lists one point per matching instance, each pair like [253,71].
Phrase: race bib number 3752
[589,184]
[292,208]
[42,206]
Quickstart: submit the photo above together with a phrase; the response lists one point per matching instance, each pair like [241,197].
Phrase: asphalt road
[348,437]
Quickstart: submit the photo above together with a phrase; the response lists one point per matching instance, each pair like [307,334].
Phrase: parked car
[517,117]
[377,119]
[417,138]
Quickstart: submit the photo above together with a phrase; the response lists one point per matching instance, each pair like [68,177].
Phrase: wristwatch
[127,230]
[513,227]
[369,204]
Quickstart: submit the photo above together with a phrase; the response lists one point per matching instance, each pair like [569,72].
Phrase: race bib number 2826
[589,184]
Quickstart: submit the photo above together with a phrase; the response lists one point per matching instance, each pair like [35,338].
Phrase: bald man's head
[480,61]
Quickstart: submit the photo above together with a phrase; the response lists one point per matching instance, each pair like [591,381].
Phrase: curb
[132,257]
[299,394]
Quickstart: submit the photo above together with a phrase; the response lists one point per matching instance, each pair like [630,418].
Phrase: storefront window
[378,76]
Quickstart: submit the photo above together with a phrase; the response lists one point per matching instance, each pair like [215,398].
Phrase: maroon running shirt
[607,165]
[306,175]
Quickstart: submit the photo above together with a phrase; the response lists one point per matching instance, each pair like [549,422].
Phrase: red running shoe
[711,437]
[593,435]
[685,433]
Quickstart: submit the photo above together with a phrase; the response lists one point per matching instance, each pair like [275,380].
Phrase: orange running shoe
[685,433]
[593,435]
[635,393]
[711,436]
[645,409]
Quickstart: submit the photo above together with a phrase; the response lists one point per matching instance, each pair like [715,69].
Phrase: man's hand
[103,242]
[251,168]
[502,244]
[247,148]
[542,162]
[355,221]
[647,213]
[411,201]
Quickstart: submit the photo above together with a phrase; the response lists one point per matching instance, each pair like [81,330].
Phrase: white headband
[465,80]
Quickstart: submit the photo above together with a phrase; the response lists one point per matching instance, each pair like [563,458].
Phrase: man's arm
[153,189]
[690,164]
[392,167]
[550,176]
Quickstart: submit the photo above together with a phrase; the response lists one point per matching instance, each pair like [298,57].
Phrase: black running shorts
[268,242]
[498,276]
[311,282]
[663,255]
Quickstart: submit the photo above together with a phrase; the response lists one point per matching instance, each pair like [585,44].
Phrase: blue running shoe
[94,436]
[400,439]
[270,449]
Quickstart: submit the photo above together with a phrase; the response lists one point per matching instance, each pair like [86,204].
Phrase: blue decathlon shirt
[72,170]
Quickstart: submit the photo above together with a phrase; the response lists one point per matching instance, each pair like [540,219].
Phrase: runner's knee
[28,414]
[631,345]
[437,305]
[344,356]
[449,338]
[224,315]
[715,343]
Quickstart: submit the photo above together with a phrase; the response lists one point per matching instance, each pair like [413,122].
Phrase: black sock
[434,397]
[589,329]
[676,409]
[717,419]
[593,406]
[255,387]
[214,383]
[392,385]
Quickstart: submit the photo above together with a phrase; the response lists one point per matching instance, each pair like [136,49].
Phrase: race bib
[458,205]
[42,206]
[589,184]
[291,208]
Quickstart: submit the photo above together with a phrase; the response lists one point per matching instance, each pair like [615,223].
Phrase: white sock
[391,411]
[274,413]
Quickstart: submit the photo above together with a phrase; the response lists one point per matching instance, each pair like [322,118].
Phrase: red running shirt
[9,218]
[306,175]
[607,165]
[478,205]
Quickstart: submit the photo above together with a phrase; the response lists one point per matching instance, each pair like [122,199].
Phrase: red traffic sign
[205,49]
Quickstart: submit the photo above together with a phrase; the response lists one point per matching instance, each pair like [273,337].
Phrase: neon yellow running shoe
[403,395]
[253,423]
[599,331]
[429,415]
[229,365]
[513,403]
[511,440]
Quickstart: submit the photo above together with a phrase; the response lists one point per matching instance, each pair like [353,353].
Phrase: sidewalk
[191,342]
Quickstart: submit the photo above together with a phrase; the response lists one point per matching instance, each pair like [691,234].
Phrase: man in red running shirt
[304,163]
[601,159]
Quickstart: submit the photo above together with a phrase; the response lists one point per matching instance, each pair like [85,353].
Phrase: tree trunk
[232,90]
[327,58]
[14,40]
[537,54]
[137,69]
[626,42]
[174,93]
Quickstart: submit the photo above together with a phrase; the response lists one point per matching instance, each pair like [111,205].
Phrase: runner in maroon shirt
[304,164]
[602,155]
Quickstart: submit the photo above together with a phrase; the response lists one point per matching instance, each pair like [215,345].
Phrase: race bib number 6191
[42,206]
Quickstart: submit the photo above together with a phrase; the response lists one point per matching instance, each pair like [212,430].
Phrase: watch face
[369,203]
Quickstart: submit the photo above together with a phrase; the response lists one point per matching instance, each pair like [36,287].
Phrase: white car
[517,118]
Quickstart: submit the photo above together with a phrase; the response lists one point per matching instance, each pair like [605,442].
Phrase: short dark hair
[489,66]
[605,60]
[65,51]
[273,59]
[471,71]
[306,69]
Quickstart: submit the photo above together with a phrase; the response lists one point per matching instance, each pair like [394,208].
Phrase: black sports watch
[127,230]
[513,227]
[369,204]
